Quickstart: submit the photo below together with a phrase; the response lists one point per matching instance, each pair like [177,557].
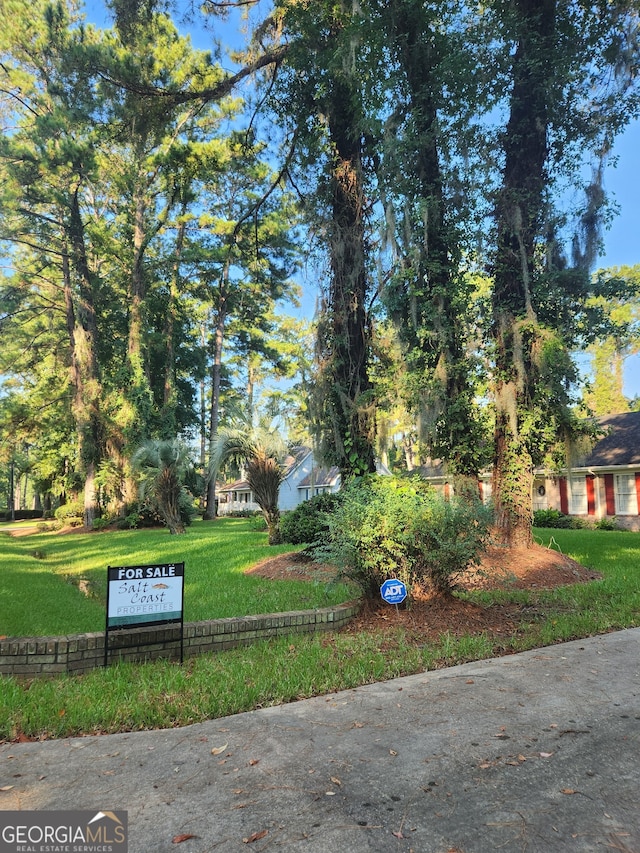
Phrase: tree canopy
[439,168]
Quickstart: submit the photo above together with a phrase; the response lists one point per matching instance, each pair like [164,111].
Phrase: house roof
[295,457]
[432,468]
[236,486]
[620,445]
[320,477]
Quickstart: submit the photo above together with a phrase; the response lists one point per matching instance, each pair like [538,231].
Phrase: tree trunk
[272,519]
[168,423]
[216,370]
[519,218]
[352,414]
[83,334]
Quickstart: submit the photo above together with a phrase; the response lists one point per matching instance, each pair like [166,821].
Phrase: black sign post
[142,596]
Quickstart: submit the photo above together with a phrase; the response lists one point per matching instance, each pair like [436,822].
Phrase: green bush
[21,514]
[147,513]
[71,510]
[308,522]
[553,518]
[386,527]
[607,524]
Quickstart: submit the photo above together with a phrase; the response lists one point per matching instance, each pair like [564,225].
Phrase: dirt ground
[428,616]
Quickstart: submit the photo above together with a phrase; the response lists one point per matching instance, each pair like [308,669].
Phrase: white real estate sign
[144,595]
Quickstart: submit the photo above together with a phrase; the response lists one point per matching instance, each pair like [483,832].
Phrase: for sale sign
[144,595]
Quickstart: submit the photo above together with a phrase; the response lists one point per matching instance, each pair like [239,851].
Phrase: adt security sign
[393,591]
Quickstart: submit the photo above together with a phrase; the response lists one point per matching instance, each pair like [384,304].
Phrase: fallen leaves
[218,750]
[255,837]
[178,839]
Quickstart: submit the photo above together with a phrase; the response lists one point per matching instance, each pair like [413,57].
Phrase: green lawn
[39,575]
[162,694]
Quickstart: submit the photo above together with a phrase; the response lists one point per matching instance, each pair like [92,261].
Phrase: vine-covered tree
[561,102]
[429,132]
[321,90]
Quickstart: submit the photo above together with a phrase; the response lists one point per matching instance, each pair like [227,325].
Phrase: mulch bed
[429,616]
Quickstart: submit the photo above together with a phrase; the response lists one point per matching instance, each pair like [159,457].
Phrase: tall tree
[559,101]
[322,90]
[47,162]
[428,295]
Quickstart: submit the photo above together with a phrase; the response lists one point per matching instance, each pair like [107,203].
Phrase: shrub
[22,514]
[553,518]
[606,524]
[243,513]
[147,513]
[388,527]
[308,522]
[71,511]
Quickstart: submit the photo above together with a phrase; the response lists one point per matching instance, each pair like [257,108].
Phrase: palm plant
[259,449]
[164,468]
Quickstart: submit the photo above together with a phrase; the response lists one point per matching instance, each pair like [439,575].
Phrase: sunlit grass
[37,574]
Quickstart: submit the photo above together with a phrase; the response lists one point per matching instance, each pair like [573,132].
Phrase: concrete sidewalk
[534,752]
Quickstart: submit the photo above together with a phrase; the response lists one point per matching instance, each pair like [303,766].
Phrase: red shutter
[610,494]
[638,489]
[591,494]
[564,500]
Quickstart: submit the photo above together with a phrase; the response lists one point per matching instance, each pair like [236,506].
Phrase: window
[626,496]
[578,496]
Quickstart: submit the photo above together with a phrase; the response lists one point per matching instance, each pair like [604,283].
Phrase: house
[302,479]
[601,482]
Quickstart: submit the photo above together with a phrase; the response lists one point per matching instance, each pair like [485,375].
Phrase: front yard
[380,645]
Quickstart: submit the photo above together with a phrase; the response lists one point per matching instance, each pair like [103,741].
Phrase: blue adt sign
[393,591]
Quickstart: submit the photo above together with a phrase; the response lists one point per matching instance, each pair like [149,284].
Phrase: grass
[40,576]
[129,697]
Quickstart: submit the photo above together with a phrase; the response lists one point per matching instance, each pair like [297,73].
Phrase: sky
[621,243]
[622,182]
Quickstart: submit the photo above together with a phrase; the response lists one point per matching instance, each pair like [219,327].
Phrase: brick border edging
[77,653]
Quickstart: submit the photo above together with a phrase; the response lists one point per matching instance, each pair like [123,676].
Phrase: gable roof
[236,486]
[295,457]
[320,477]
[620,445]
